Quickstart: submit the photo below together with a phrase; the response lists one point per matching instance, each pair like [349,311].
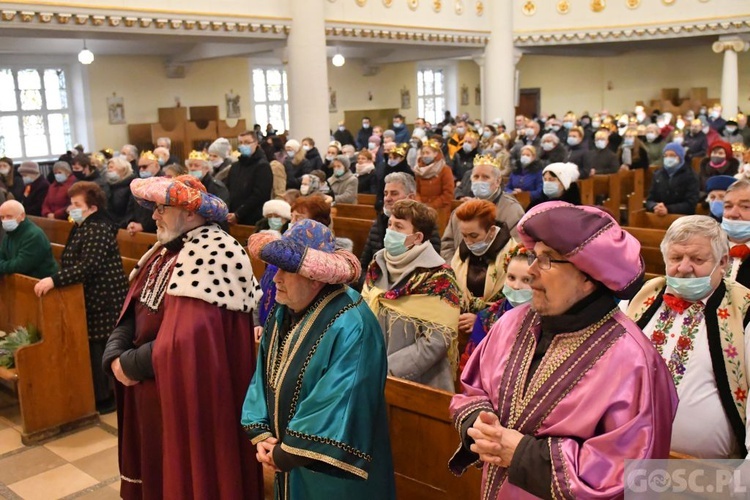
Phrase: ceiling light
[338,60]
[85,56]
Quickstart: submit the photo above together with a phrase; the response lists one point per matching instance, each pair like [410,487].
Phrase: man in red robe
[183,354]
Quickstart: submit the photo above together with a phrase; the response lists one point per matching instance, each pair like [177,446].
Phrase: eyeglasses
[160,209]
[544,261]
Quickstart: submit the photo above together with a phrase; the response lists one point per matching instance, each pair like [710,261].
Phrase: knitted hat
[721,145]
[185,192]
[28,168]
[567,173]
[307,248]
[220,147]
[278,207]
[677,149]
[344,160]
[591,240]
[719,183]
[389,133]
[292,143]
[374,138]
[419,133]
[62,165]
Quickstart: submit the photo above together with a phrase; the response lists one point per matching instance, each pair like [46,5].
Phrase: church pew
[356,230]
[650,239]
[642,218]
[354,211]
[524,198]
[57,231]
[455,204]
[631,188]
[52,378]
[241,233]
[135,245]
[423,439]
[648,179]
[586,187]
[365,199]
[608,193]
[127,263]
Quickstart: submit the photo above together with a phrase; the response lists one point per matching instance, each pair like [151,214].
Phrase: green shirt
[27,251]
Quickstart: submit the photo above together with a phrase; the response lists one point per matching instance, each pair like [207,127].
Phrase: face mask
[568,125]
[365,125]
[446,134]
[198,174]
[339,172]
[596,124]
[551,189]
[413,144]
[5,170]
[731,130]
[304,189]
[678,140]
[705,130]
[393,162]
[718,161]
[622,129]
[397,124]
[394,242]
[737,230]
[548,146]
[555,128]
[660,124]
[650,137]
[290,154]
[342,128]
[525,160]
[460,130]
[245,150]
[372,146]
[145,174]
[161,162]
[275,223]
[628,142]
[530,133]
[427,160]
[716,207]
[517,297]
[61,178]
[217,163]
[487,134]
[477,126]
[691,288]
[77,215]
[10,225]
[29,180]
[478,248]
[714,114]
[79,174]
[573,141]
[468,148]
[306,148]
[670,162]
[330,157]
[600,144]
[481,189]
[640,116]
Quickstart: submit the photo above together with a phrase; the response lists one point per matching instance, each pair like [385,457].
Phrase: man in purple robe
[565,389]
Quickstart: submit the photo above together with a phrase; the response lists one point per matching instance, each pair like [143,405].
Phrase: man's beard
[164,235]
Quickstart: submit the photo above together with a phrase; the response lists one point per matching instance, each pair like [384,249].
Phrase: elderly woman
[435,181]
[199,167]
[119,176]
[334,149]
[414,295]
[560,184]
[516,292]
[631,153]
[295,163]
[365,172]
[527,176]
[310,186]
[343,183]
[175,170]
[720,161]
[478,263]
[220,158]
[56,202]
[675,189]
[92,257]
[653,143]
[551,150]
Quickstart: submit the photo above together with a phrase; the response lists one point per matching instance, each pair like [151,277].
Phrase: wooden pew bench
[650,240]
[52,378]
[649,220]
[57,231]
[357,230]
[423,439]
[365,199]
[354,211]
[127,263]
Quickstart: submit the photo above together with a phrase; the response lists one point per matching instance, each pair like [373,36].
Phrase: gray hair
[551,137]
[406,180]
[132,149]
[689,226]
[739,185]
[495,171]
[122,164]
[165,139]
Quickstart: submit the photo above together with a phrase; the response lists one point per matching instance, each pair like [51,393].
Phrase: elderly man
[562,391]
[220,158]
[35,190]
[183,353]
[140,217]
[736,223]
[249,181]
[698,322]
[162,157]
[166,143]
[315,409]
[25,248]
[199,167]
[486,184]
[130,153]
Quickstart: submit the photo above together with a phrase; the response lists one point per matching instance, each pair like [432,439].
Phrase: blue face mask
[393,163]
[77,215]
[198,174]
[10,225]
[670,162]
[737,230]
[275,223]
[427,160]
[600,144]
[481,189]
[628,142]
[145,174]
[245,150]
[162,162]
[717,208]
[394,242]
[27,180]
[61,178]
[478,248]
[691,289]
[517,297]
[551,189]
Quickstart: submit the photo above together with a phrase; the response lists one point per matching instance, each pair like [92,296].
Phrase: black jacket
[216,188]
[250,182]
[294,172]
[313,156]
[558,154]
[363,137]
[141,215]
[119,201]
[577,154]
[603,160]
[345,137]
[32,203]
[641,162]
[571,195]
[680,192]
[463,162]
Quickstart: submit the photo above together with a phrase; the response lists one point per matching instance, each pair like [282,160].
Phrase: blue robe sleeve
[255,419]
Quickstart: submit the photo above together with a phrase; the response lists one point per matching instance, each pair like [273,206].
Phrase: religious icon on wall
[116,109]
[233,105]
[332,105]
[478,95]
[405,99]
[464,95]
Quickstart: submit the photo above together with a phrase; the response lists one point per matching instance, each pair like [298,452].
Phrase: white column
[730,73]
[483,87]
[499,71]
[307,72]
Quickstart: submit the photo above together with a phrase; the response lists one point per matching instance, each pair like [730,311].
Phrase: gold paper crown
[471,134]
[487,160]
[109,151]
[149,155]
[198,155]
[99,157]
[401,150]
[432,143]
[738,147]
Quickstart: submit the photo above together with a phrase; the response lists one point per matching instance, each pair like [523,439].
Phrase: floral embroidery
[649,301]
[689,328]
[440,282]
[740,395]
[723,313]
[733,360]
[731,351]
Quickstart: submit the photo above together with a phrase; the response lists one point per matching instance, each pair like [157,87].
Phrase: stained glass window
[431,94]
[34,113]
[270,95]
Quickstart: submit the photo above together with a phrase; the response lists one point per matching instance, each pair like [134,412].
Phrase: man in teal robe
[316,408]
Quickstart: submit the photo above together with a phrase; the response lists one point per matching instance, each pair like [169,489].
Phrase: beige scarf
[398,264]
[365,168]
[429,171]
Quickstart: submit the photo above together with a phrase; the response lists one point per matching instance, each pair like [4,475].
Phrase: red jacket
[57,200]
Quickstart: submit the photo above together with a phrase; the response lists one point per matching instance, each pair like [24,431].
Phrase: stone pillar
[730,73]
[307,73]
[483,87]
[498,91]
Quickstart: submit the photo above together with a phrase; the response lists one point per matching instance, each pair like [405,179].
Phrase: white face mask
[5,170]
[304,189]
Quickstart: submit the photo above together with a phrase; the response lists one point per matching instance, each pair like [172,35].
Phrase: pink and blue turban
[185,192]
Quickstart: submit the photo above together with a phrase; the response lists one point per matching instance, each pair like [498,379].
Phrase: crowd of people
[506,306]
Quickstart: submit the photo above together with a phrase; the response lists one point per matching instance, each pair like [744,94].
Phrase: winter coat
[345,137]
[344,188]
[250,182]
[436,192]
[92,257]
[97,178]
[26,250]
[463,162]
[707,171]
[57,200]
[215,187]
[558,154]
[571,195]
[641,162]
[222,171]
[34,195]
[294,172]
[577,155]
[679,192]
[654,149]
[402,134]
[366,182]
[142,215]
[313,156]
[528,178]
[119,202]
[603,161]
[363,137]
[695,145]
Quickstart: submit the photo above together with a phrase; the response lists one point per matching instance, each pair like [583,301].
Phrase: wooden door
[529,102]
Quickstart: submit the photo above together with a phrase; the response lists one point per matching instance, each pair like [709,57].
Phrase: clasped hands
[493,443]
[265,453]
